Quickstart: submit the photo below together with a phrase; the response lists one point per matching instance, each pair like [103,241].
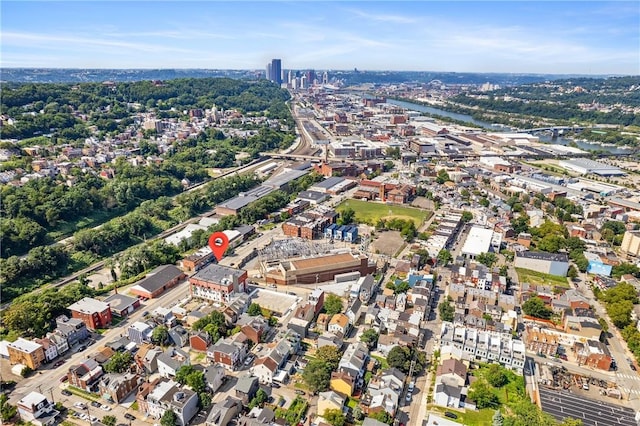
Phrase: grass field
[540,278]
[370,213]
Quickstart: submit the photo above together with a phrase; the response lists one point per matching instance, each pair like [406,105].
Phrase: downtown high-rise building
[274,71]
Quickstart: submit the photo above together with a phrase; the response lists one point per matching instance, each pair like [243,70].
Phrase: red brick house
[200,341]
[94,313]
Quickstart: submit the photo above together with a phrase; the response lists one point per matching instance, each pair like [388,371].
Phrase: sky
[507,36]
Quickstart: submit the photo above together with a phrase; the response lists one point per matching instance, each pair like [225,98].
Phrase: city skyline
[515,37]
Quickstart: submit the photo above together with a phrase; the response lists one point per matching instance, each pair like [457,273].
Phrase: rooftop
[89,305]
[217,273]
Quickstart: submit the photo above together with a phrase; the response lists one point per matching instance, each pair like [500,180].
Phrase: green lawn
[540,278]
[470,417]
[370,212]
[383,362]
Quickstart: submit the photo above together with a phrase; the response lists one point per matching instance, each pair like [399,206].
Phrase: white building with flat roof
[478,241]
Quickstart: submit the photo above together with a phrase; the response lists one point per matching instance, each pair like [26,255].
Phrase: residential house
[139,332]
[258,417]
[224,411]
[539,341]
[386,342]
[36,409]
[330,400]
[246,388]
[26,352]
[265,369]
[343,383]
[147,358]
[254,328]
[354,311]
[116,387]
[200,341]
[214,375]
[179,336]
[329,339]
[60,342]
[170,361]
[447,395]
[228,353]
[94,313]
[384,392]
[74,330]
[85,374]
[168,395]
[452,372]
[354,359]
[121,304]
[50,349]
[339,323]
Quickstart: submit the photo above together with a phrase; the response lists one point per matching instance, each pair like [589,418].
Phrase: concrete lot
[276,300]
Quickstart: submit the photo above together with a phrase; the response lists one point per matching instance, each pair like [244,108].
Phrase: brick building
[94,313]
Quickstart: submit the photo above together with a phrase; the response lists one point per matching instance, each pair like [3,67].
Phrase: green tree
[442,176]
[7,411]
[570,421]
[317,375]
[109,420]
[446,311]
[347,216]
[487,259]
[183,373]
[467,216]
[160,335]
[254,310]
[496,376]
[483,395]
[444,257]
[169,418]
[370,337]
[400,358]
[572,272]
[334,417]
[382,416]
[329,354]
[535,307]
[620,313]
[118,363]
[333,304]
[259,399]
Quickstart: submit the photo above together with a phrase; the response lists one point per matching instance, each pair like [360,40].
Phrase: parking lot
[563,404]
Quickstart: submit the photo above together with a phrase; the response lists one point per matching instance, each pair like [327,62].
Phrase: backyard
[540,278]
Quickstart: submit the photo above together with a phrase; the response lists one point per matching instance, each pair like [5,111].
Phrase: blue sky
[520,37]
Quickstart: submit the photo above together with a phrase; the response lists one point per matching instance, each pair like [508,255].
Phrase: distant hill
[61,75]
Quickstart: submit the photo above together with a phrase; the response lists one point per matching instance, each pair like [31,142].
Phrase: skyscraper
[276,71]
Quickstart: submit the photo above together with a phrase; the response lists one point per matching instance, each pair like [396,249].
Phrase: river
[499,128]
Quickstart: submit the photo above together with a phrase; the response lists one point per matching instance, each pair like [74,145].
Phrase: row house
[116,386]
[384,392]
[267,366]
[539,341]
[228,352]
[483,346]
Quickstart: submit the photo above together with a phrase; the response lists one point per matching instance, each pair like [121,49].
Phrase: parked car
[96,404]
[66,392]
[64,378]
[275,385]
[58,363]
[129,416]
[450,415]
[80,405]
[300,392]
[105,407]
[408,398]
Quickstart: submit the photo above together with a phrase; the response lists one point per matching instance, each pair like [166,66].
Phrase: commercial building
[218,283]
[479,240]
[94,313]
[122,305]
[158,281]
[631,243]
[585,166]
[317,269]
[540,261]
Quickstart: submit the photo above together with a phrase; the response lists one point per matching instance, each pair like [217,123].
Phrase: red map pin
[218,241]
